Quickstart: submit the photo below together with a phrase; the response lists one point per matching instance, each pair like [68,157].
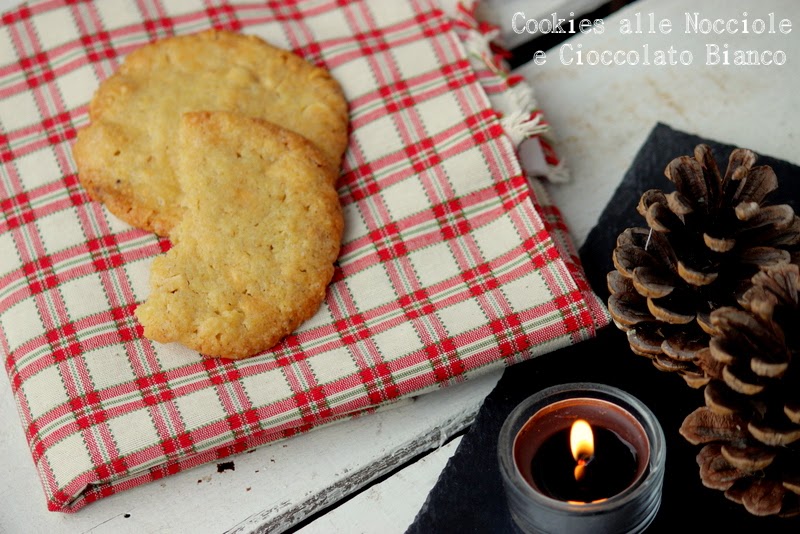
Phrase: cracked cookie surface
[255,249]
[127,155]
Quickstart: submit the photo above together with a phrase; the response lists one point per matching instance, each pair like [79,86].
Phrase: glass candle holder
[614,487]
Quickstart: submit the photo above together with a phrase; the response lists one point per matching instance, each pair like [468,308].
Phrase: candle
[584,464]
[582,458]
[556,452]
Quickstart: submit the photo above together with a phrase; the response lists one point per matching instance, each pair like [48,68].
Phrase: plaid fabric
[510,96]
[450,266]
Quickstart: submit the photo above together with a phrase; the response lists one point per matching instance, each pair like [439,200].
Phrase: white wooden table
[602,115]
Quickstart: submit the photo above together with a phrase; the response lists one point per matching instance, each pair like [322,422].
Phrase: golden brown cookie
[254,251]
[127,156]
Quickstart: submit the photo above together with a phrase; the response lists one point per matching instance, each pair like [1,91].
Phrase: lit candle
[581,443]
[571,461]
[582,458]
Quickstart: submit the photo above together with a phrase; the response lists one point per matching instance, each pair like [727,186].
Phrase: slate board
[468,496]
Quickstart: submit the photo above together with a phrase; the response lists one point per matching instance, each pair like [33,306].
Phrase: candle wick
[580,468]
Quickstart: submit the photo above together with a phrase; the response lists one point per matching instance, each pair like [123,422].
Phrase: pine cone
[751,422]
[703,243]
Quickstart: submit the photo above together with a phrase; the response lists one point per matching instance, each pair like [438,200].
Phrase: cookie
[127,156]
[254,251]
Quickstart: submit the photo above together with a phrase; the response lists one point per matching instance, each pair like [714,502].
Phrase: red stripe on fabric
[300,37]
[50,306]
[94,493]
[63,271]
[224,17]
[155,20]
[16,15]
[424,86]
[390,250]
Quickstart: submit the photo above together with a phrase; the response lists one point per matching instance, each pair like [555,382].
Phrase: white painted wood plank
[390,506]
[270,489]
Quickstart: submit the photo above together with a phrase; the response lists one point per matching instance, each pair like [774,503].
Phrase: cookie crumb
[225,466]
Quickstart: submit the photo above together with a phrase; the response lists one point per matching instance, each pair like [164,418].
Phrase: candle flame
[581,440]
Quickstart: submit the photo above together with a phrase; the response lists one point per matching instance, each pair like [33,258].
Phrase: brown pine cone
[703,243]
[751,422]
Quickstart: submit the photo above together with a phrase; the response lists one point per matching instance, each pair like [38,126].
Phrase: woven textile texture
[451,264]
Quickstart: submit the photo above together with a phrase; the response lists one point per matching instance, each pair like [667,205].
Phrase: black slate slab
[468,497]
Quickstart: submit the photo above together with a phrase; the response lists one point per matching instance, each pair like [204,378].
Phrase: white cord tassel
[519,126]
[559,174]
[515,105]
[522,96]
[478,45]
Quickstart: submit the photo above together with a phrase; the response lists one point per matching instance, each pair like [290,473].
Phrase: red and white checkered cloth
[450,266]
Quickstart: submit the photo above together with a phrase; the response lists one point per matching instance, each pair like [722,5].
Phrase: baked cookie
[254,250]
[127,155]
